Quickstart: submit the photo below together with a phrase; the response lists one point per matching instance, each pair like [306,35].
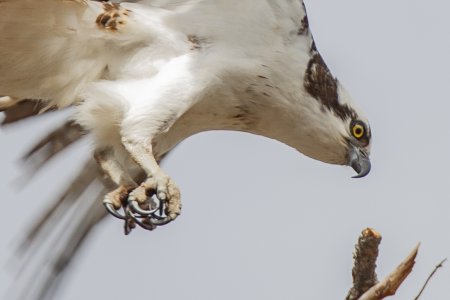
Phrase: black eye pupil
[357,130]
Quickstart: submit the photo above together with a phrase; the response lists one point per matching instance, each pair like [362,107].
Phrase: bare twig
[389,285]
[365,256]
[440,265]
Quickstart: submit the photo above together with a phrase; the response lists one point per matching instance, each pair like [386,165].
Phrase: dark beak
[359,161]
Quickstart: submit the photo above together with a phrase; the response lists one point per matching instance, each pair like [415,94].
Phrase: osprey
[144,76]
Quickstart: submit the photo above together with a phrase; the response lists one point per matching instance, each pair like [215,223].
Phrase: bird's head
[339,133]
[330,127]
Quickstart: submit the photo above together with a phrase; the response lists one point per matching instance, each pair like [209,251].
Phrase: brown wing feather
[21,110]
[67,232]
[62,227]
[53,143]
[78,203]
[61,204]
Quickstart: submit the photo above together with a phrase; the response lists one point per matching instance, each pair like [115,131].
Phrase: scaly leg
[148,117]
[153,106]
[106,159]
[116,199]
[139,209]
[157,183]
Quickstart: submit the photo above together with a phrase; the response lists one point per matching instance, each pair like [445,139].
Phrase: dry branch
[439,265]
[365,256]
[389,285]
[365,282]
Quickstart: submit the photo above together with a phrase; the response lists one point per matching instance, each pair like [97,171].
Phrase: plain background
[261,221]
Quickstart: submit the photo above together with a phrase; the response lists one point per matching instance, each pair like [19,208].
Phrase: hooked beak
[359,161]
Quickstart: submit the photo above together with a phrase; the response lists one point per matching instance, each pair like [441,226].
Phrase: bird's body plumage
[248,55]
[144,76]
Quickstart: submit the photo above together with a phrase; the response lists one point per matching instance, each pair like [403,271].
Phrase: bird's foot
[115,200]
[154,203]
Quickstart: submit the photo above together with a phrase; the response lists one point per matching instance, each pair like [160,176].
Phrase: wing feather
[61,204]
[64,225]
[50,50]
[70,47]
[53,49]
[20,110]
[53,143]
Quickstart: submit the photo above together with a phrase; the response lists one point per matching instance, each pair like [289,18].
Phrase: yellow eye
[358,131]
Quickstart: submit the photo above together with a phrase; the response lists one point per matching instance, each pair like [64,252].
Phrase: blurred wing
[16,111]
[71,53]
[63,226]
[25,25]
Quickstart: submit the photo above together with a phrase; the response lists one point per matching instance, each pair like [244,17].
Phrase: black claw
[146,225]
[135,215]
[161,209]
[126,227]
[129,223]
[134,207]
[159,221]
[110,208]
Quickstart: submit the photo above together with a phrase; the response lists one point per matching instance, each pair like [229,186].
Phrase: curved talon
[161,211]
[129,223]
[149,226]
[110,208]
[157,217]
[134,206]
[159,221]
[126,227]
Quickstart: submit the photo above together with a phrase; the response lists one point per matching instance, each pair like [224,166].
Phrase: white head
[329,126]
[336,130]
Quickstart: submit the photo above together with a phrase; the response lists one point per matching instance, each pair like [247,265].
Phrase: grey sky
[261,221]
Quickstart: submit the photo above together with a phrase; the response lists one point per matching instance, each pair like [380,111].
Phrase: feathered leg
[157,183]
[107,161]
[148,117]
[117,199]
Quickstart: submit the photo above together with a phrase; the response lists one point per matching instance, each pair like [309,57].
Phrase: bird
[142,76]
